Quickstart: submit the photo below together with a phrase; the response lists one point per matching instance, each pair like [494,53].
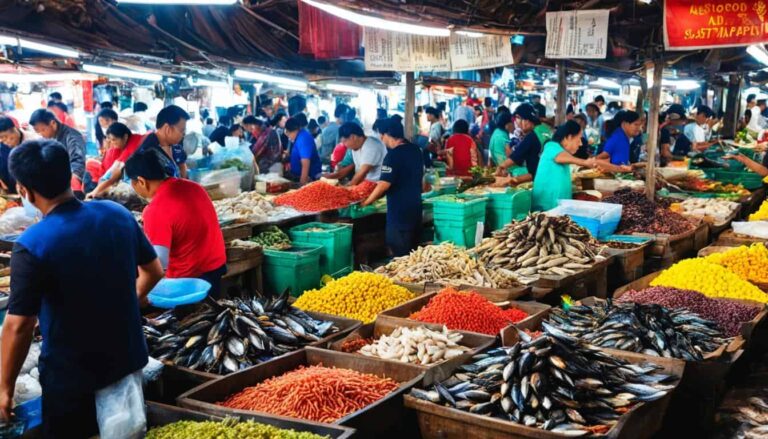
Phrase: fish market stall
[619,394]
[368,392]
[219,338]
[468,311]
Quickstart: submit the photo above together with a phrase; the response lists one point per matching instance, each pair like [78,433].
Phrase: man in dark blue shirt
[305,161]
[526,153]
[401,179]
[76,272]
[171,127]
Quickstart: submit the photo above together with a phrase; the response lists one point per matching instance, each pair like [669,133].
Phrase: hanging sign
[704,24]
[401,52]
[577,34]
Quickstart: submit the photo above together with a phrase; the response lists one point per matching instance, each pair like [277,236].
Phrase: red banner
[703,24]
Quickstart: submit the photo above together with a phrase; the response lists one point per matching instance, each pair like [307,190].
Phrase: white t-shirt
[371,153]
[756,121]
[695,133]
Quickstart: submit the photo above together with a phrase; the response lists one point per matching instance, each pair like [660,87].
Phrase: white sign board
[474,53]
[577,34]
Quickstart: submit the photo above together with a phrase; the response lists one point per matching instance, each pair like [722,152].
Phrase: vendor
[48,126]
[121,144]
[11,136]
[626,126]
[401,180]
[760,169]
[461,151]
[499,144]
[694,136]
[80,272]
[305,161]
[104,119]
[525,157]
[180,221]
[265,146]
[171,126]
[553,178]
[367,153]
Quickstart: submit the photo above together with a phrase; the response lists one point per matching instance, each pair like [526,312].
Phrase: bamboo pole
[653,128]
[562,94]
[410,104]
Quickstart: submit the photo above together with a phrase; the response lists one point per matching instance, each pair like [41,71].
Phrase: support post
[410,104]
[562,94]
[732,111]
[653,128]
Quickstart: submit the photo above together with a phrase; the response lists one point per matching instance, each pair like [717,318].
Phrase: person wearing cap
[367,153]
[524,160]
[180,221]
[626,126]
[694,137]
[401,180]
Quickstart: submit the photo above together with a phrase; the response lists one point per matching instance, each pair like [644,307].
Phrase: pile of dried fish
[646,328]
[448,265]
[540,244]
[553,382]
[418,345]
[746,419]
[229,335]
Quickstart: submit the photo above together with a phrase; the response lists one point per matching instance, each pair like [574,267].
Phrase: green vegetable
[234,163]
[273,238]
[229,429]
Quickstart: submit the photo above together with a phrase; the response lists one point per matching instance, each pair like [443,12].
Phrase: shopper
[121,144]
[461,150]
[305,162]
[695,133]
[82,272]
[55,97]
[757,122]
[48,126]
[61,111]
[595,118]
[627,125]
[180,221]
[104,119]
[329,137]
[524,159]
[401,180]
[265,146]
[367,153]
[541,110]
[499,143]
[278,124]
[11,136]
[171,126]
[435,130]
[208,127]
[584,151]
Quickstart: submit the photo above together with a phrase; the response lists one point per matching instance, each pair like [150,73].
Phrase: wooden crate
[162,414]
[437,421]
[732,239]
[591,281]
[237,231]
[384,418]
[399,314]
[439,371]
[626,265]
[235,254]
[701,237]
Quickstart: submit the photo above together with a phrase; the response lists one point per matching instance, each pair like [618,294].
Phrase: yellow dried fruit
[709,279]
[761,214]
[749,263]
[359,295]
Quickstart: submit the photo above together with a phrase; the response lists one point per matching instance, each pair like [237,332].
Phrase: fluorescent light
[758,52]
[197,82]
[605,83]
[380,23]
[681,84]
[40,47]
[122,73]
[264,77]
[46,77]
[470,34]
[344,88]
[293,87]
[179,2]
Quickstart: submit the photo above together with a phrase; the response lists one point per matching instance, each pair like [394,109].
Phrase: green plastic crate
[749,180]
[297,269]
[503,208]
[335,239]
[448,208]
[457,233]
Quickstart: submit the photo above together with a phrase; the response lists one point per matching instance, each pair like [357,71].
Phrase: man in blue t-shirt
[401,180]
[171,127]
[305,161]
[82,272]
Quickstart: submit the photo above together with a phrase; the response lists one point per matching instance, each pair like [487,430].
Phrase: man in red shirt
[461,151]
[180,221]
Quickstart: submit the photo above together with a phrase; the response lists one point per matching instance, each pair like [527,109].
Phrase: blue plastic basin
[170,293]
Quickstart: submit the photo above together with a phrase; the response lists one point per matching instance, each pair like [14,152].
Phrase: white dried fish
[419,345]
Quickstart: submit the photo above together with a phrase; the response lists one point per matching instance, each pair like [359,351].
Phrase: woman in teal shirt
[499,144]
[553,177]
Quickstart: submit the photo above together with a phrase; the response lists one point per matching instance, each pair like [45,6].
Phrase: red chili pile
[317,393]
[362,190]
[316,197]
[355,344]
[467,311]
[728,314]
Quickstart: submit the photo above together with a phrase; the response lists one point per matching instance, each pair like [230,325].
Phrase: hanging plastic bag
[120,409]
[757,229]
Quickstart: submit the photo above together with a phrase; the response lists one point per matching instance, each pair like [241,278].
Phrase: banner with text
[401,52]
[577,34]
[704,24]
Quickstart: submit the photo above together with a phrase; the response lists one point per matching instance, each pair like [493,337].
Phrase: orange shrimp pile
[317,393]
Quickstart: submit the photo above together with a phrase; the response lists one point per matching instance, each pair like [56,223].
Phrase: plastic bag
[757,229]
[152,370]
[120,409]
[15,220]
[228,157]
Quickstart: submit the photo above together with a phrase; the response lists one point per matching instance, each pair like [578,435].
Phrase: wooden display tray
[345,325]
[159,415]
[376,420]
[237,231]
[730,238]
[441,422]
[492,294]
[399,315]
[593,279]
[680,244]
[440,371]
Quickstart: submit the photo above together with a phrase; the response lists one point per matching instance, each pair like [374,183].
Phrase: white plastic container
[224,183]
